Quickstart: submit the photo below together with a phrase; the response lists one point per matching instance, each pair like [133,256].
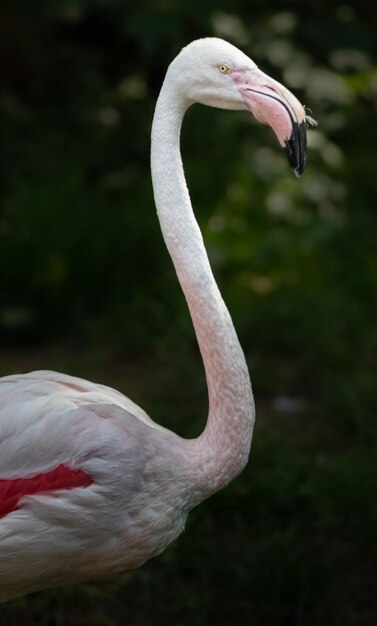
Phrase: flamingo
[89,484]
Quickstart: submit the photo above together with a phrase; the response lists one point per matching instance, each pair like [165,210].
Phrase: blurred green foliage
[83,262]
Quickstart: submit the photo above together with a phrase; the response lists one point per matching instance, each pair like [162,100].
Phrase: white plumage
[121,520]
[140,479]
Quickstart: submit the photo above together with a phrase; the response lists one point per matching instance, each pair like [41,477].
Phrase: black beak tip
[300,169]
[295,148]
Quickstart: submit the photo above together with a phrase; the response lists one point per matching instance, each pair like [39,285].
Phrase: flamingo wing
[82,483]
[56,431]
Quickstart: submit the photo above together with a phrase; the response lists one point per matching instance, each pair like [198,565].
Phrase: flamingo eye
[223,68]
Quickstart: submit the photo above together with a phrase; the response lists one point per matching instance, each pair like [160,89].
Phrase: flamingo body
[128,513]
[89,484]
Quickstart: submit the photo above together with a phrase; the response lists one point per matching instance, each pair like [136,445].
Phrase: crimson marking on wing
[61,477]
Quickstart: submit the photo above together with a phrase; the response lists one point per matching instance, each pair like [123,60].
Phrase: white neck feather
[222,450]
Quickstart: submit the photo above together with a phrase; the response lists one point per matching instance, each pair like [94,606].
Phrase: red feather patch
[61,477]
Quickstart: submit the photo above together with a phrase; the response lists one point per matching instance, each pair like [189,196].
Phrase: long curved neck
[222,450]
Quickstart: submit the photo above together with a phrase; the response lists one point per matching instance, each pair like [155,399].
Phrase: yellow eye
[223,68]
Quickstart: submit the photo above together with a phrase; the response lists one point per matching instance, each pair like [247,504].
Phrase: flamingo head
[214,72]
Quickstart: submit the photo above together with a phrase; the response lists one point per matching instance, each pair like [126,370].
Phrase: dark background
[87,287]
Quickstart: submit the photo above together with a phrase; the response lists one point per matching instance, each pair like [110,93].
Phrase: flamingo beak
[271,103]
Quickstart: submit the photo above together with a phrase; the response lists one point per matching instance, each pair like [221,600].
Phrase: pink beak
[271,103]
